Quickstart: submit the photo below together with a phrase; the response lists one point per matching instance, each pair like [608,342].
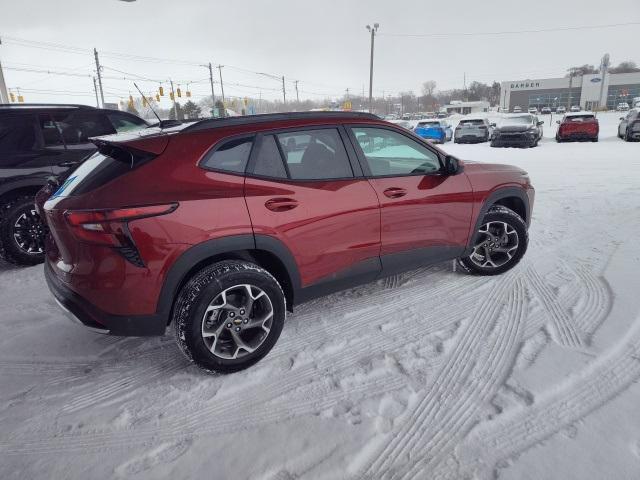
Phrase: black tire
[594,139]
[10,249]
[197,295]
[627,138]
[498,213]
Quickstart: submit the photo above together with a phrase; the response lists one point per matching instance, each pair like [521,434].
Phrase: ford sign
[596,80]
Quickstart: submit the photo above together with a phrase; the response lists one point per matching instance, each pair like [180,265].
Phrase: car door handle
[395,192]
[281,204]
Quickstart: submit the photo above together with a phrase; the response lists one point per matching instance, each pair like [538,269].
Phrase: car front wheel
[499,243]
[229,316]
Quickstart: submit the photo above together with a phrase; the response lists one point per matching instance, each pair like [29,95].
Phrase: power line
[509,32]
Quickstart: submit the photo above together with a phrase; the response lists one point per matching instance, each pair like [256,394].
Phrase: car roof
[275,117]
[43,106]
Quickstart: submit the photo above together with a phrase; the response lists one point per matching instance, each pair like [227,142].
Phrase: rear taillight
[109,227]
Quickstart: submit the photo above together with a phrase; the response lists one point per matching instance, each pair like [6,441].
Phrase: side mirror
[452,165]
[621,118]
[492,125]
[540,123]
[558,122]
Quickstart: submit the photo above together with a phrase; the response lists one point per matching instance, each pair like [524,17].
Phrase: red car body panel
[324,228]
[335,224]
[435,211]
[586,128]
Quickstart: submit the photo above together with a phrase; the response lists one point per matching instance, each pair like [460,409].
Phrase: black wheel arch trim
[497,195]
[12,186]
[201,252]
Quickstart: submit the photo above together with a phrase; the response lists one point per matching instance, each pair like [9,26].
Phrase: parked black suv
[37,143]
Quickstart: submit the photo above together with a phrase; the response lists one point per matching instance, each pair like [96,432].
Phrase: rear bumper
[80,311]
[577,136]
[472,138]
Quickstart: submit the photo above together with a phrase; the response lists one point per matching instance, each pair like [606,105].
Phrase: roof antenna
[149,103]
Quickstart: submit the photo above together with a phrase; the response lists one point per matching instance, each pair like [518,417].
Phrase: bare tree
[581,70]
[625,67]
[428,88]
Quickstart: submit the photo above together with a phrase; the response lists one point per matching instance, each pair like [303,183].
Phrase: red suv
[222,226]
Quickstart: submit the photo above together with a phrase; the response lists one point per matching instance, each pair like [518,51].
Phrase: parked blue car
[437,131]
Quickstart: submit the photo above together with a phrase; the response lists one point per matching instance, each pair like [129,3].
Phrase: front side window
[389,153]
[231,156]
[315,154]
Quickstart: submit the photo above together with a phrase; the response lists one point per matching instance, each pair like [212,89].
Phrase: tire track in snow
[564,331]
[441,317]
[599,300]
[514,432]
[464,385]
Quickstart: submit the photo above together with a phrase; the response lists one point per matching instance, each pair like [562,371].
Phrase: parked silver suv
[473,130]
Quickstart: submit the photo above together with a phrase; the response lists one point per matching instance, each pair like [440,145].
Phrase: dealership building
[588,91]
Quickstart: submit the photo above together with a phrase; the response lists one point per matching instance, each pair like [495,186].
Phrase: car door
[425,214]
[304,189]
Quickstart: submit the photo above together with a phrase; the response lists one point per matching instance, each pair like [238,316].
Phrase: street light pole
[373,36]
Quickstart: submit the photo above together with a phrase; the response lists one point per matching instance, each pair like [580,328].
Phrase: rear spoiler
[131,148]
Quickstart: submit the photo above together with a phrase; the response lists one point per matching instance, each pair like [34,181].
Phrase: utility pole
[221,85]
[4,94]
[297,96]
[213,94]
[175,105]
[284,92]
[604,67]
[373,36]
[99,72]
[95,89]
[571,74]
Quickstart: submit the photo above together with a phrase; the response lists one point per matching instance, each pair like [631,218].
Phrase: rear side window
[17,135]
[76,127]
[315,154]
[268,159]
[125,123]
[231,156]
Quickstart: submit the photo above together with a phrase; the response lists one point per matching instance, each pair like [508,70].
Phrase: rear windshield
[579,118]
[101,168]
[429,124]
[471,122]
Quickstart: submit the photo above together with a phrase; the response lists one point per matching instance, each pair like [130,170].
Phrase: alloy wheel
[497,244]
[237,321]
[29,232]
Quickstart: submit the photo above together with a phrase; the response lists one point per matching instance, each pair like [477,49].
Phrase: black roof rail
[272,117]
[46,105]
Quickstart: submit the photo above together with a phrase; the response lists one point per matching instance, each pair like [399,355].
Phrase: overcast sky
[323,44]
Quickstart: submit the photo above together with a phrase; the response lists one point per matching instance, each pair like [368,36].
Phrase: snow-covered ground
[430,374]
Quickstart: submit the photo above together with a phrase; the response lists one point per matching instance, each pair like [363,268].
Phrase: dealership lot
[431,371]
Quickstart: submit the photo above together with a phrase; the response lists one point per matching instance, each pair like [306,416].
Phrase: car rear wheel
[228,316]
[22,232]
[499,243]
